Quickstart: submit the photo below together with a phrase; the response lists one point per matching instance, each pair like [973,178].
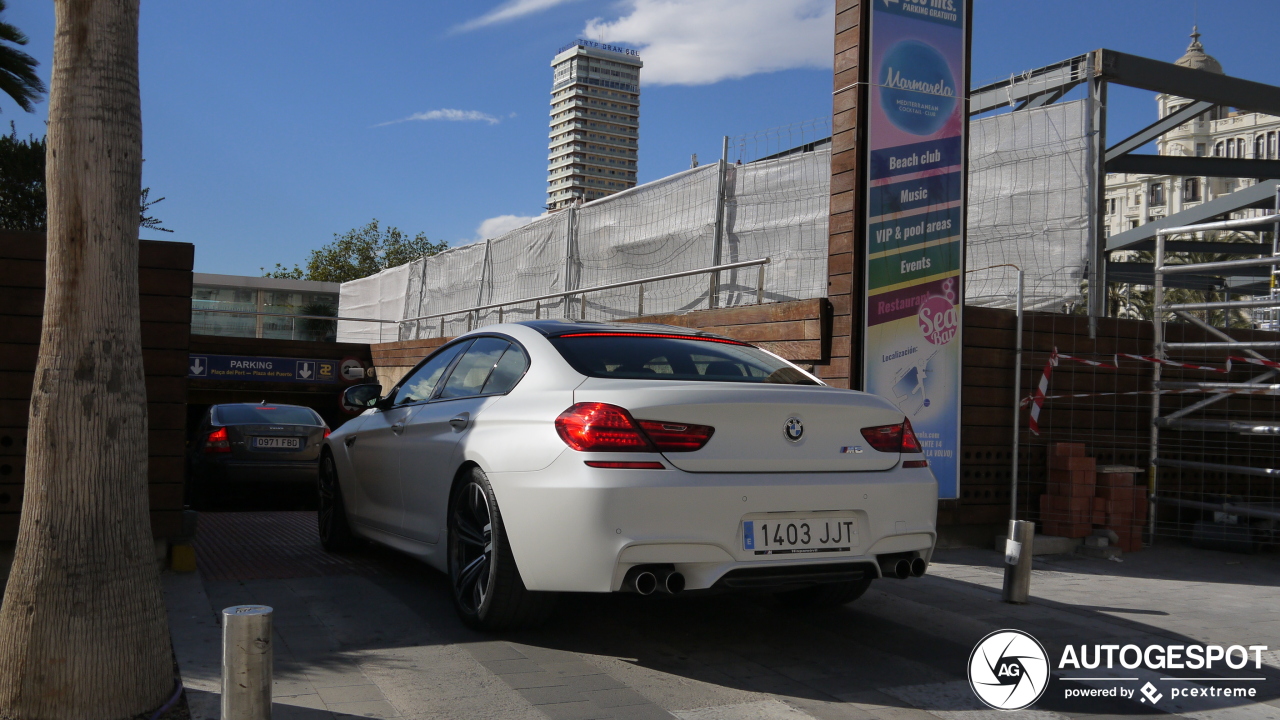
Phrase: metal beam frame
[1165,77]
[1057,78]
[1255,196]
[1157,128]
[1195,166]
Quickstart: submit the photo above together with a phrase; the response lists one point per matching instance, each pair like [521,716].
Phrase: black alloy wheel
[471,545]
[487,588]
[331,515]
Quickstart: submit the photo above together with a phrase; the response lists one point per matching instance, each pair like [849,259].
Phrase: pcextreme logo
[1008,670]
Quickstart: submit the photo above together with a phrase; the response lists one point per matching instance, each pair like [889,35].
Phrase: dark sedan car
[240,444]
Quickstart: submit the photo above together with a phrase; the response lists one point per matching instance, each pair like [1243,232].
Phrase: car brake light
[327,431]
[897,438]
[599,427]
[217,442]
[676,437]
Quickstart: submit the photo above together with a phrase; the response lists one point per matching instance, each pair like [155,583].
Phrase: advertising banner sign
[915,220]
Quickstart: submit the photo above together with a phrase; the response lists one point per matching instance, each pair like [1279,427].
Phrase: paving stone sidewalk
[386,644]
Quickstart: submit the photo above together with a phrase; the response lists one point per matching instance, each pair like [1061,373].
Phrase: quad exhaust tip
[644,582]
[903,567]
[648,580]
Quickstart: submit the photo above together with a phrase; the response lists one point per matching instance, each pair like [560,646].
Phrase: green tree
[358,253]
[18,77]
[22,190]
[22,195]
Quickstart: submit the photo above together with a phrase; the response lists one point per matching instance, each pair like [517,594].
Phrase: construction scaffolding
[1213,460]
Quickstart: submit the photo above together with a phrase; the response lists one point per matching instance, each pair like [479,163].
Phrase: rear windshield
[264,414]
[652,357]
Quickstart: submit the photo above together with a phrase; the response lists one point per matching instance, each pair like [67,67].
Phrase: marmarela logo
[917,90]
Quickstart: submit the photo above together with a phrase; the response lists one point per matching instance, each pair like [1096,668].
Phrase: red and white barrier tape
[1251,361]
[1212,391]
[1036,400]
[1041,389]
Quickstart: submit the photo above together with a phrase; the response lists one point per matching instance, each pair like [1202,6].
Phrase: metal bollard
[1017,558]
[246,662]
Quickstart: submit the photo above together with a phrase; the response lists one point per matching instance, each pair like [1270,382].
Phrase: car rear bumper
[576,528]
[274,473]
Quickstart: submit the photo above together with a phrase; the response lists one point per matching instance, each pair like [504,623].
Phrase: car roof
[557,327]
[263,404]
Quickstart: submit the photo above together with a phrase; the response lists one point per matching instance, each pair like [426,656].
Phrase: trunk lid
[750,422]
[243,446]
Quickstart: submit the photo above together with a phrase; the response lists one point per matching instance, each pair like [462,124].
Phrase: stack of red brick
[1083,497]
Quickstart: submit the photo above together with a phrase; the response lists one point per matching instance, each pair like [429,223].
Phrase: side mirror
[358,398]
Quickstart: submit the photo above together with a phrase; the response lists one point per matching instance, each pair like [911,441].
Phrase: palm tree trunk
[83,632]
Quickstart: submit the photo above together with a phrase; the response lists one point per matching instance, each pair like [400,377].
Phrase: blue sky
[269,126]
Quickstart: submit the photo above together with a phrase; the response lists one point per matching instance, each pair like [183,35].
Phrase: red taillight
[217,442]
[908,464]
[599,427]
[910,444]
[676,437]
[626,465]
[327,431]
[893,438]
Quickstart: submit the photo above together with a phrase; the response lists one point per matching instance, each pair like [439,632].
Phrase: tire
[487,589]
[331,513]
[825,596]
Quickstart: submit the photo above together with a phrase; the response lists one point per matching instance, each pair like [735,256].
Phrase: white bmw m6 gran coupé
[527,459]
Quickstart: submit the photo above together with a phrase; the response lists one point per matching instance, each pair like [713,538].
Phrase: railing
[293,325]
[568,295]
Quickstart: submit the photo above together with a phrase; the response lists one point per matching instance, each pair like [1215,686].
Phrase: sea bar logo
[1009,670]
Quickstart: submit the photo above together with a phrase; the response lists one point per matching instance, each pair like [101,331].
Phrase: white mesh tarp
[378,296]
[778,209]
[1028,205]
[774,209]
[661,227]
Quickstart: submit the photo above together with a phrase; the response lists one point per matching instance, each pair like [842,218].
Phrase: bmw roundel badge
[793,430]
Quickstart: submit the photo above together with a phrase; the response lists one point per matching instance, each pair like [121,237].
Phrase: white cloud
[501,225]
[447,114]
[509,10]
[697,42]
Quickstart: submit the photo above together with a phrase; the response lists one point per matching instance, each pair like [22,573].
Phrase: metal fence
[773,207]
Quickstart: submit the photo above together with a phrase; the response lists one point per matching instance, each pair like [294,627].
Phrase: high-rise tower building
[595,122]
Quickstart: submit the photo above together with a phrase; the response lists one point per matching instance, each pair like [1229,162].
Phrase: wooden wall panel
[164,277]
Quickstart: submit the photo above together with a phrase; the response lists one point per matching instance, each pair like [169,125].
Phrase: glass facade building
[259,307]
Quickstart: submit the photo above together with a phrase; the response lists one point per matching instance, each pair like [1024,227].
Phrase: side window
[473,370]
[507,372]
[422,382]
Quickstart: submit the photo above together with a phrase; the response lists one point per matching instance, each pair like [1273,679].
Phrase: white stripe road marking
[956,701]
[760,710]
